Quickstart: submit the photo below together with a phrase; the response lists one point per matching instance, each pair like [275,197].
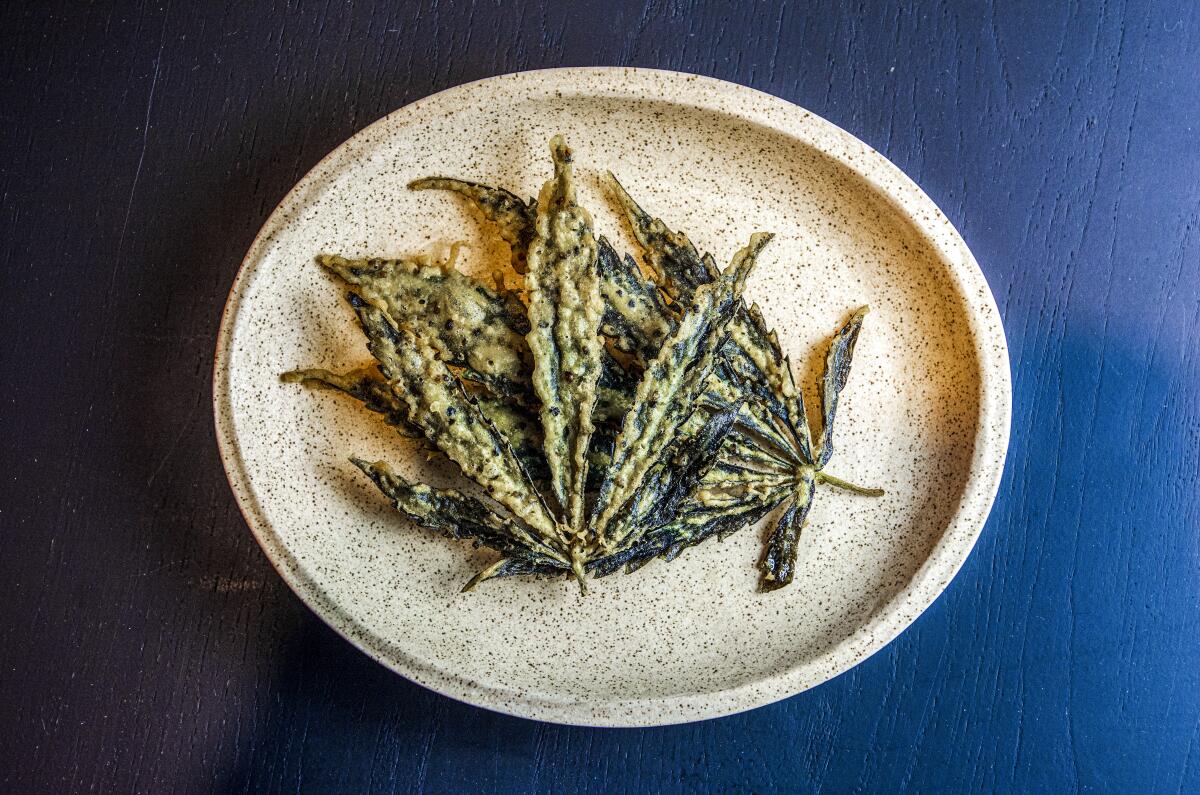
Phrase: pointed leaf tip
[834,378]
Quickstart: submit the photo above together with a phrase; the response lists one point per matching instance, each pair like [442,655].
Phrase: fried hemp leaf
[669,387]
[752,350]
[456,515]
[667,398]
[470,325]
[834,377]
[672,257]
[514,217]
[636,317]
[452,423]
[366,385]
[447,511]
[564,317]
[779,562]
[675,477]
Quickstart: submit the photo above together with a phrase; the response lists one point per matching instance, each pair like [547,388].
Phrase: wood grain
[147,646]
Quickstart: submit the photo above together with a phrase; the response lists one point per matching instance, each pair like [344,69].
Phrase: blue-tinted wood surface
[145,643]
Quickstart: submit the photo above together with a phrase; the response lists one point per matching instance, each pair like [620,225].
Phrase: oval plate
[925,415]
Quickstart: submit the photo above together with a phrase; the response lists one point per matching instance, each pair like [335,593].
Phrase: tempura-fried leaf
[690,527]
[471,326]
[516,566]
[366,385]
[763,495]
[673,479]
[451,422]
[723,480]
[712,437]
[671,256]
[448,511]
[721,486]
[513,216]
[514,422]
[636,317]
[756,421]
[833,380]
[670,386]
[490,350]
[459,516]
[564,314]
[761,346]
[741,448]
[693,455]
[752,350]
[779,562]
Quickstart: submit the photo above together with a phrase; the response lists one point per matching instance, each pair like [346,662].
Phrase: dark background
[145,643]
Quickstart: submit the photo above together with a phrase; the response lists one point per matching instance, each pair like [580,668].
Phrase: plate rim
[931,578]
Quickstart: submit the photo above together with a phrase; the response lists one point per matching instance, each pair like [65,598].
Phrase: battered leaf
[516,566]
[366,385]
[690,527]
[756,421]
[514,422]
[672,257]
[469,325]
[752,350]
[721,487]
[455,425]
[737,501]
[779,562]
[447,511]
[680,470]
[724,480]
[513,216]
[454,514]
[749,332]
[689,424]
[739,450]
[833,380]
[675,474]
[636,317]
[564,314]
[670,386]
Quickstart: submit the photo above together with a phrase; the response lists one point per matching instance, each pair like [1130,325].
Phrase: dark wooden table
[145,643]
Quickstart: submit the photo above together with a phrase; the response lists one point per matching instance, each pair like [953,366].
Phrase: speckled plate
[925,415]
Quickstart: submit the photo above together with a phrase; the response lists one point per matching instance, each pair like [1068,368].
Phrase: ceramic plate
[925,415]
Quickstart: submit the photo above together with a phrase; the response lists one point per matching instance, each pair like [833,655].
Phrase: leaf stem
[577,569]
[483,575]
[850,487]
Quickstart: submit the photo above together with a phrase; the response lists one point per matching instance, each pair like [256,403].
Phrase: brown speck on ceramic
[925,415]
